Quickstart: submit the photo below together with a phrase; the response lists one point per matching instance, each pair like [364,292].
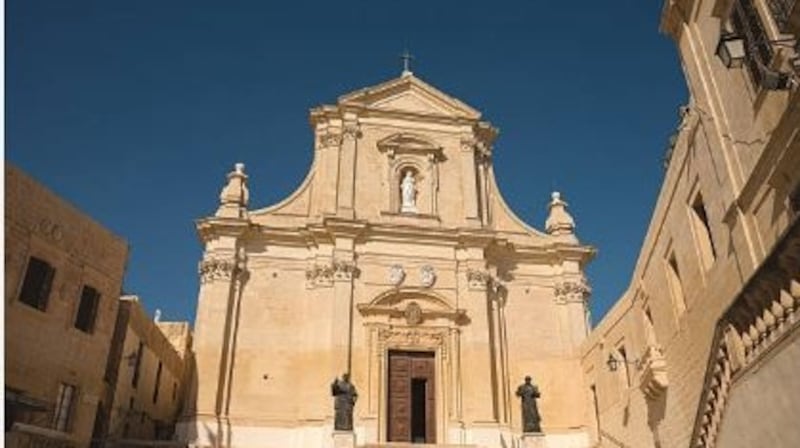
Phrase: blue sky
[135,111]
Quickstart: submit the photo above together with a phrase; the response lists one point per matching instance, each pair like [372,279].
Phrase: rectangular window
[675,284]
[702,231]
[64,403]
[36,285]
[649,328]
[158,383]
[623,357]
[593,390]
[174,391]
[747,24]
[137,367]
[87,309]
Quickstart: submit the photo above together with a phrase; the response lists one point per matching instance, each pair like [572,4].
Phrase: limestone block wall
[726,199]
[43,348]
[139,411]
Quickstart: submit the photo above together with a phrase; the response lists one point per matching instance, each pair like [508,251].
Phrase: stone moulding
[323,275]
[413,313]
[416,337]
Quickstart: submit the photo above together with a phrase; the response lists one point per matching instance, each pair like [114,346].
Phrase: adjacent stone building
[703,349]
[146,374]
[397,261]
[63,277]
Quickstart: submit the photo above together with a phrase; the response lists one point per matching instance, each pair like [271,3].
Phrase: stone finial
[559,222]
[234,196]
[157,316]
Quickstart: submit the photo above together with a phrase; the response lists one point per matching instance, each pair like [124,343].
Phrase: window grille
[781,12]
[747,24]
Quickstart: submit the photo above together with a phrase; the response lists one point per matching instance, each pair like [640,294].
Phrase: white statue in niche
[408,190]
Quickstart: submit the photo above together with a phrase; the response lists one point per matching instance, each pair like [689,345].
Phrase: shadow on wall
[655,415]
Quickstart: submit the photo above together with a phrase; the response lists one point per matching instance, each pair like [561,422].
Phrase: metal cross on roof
[406,57]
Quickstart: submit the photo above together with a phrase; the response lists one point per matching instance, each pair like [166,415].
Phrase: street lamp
[731,50]
[613,363]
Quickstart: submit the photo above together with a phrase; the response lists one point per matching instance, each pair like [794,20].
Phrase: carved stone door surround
[443,341]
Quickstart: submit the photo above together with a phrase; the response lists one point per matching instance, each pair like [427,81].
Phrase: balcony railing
[766,310]
[786,14]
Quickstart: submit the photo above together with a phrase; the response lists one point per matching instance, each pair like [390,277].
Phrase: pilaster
[347,167]
[329,142]
[477,360]
[469,180]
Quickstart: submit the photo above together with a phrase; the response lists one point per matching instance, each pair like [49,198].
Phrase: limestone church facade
[397,261]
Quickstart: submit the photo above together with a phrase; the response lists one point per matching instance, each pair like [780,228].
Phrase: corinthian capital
[478,279]
[212,269]
[351,131]
[576,290]
[467,144]
[328,139]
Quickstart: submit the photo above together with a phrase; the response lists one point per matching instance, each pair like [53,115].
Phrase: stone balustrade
[764,313]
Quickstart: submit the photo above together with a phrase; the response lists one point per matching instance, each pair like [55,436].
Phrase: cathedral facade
[396,261]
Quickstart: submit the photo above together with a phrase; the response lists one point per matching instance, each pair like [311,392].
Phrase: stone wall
[43,348]
[725,202]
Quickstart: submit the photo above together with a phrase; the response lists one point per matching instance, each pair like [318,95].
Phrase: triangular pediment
[409,94]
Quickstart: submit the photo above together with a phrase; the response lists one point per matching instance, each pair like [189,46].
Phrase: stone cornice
[329,228]
[327,112]
[217,226]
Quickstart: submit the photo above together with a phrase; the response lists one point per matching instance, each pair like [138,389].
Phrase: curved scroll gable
[296,205]
[503,217]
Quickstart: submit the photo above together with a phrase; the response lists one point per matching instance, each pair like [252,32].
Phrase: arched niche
[420,155]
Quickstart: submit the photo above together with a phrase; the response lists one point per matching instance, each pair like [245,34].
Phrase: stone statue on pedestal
[345,400]
[528,394]
[408,190]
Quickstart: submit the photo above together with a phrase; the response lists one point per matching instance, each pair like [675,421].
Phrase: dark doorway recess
[412,397]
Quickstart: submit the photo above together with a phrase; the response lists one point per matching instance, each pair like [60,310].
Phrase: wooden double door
[412,397]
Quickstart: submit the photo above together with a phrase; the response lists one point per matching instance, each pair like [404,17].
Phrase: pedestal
[344,439]
[533,440]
